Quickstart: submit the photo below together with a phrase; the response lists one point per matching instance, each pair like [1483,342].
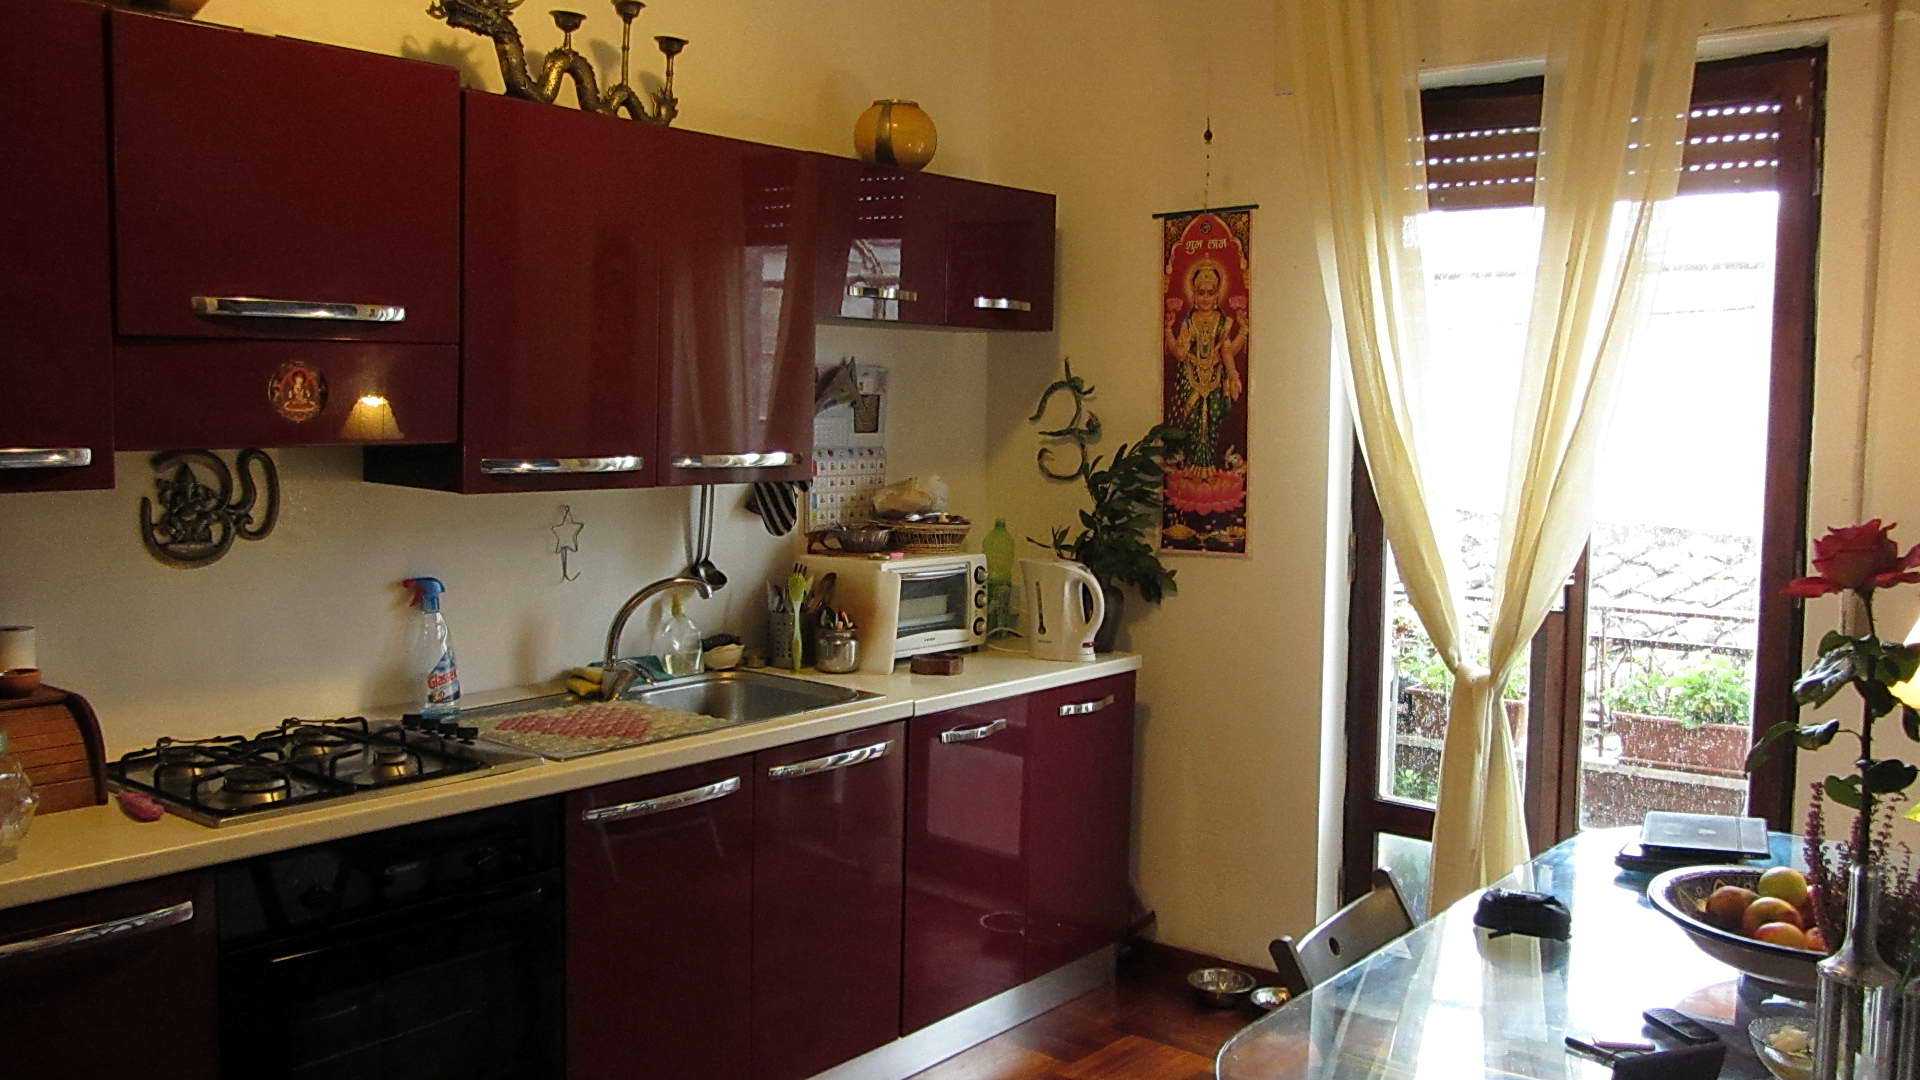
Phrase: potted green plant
[1113,540]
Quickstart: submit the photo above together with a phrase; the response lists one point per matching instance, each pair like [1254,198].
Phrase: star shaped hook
[566,538]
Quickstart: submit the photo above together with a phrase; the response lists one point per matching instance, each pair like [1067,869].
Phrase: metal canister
[838,652]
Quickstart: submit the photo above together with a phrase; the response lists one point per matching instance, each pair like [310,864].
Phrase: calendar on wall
[849,444]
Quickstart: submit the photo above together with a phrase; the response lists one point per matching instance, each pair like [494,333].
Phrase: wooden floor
[1146,1025]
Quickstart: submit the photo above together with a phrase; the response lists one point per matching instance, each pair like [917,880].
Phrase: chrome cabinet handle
[663,803]
[765,459]
[1001,303]
[51,457]
[1085,707]
[254,307]
[882,292]
[840,760]
[561,466]
[974,734]
[87,935]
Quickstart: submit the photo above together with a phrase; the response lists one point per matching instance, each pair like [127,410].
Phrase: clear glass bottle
[1906,1050]
[680,642]
[1858,993]
[17,801]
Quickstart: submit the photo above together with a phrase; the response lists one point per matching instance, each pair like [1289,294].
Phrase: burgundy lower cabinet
[111,983]
[967,775]
[56,365]
[827,879]
[1079,810]
[660,924]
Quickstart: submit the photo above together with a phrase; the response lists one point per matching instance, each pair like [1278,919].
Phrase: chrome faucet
[619,673]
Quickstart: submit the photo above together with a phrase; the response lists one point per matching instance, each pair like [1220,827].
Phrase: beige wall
[1107,111]
[311,621]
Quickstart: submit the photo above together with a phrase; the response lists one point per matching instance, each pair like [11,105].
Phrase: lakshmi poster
[1204,284]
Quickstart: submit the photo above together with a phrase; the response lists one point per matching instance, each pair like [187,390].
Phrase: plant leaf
[1910,722]
[1774,734]
[1890,775]
[1815,736]
[1825,678]
[1845,791]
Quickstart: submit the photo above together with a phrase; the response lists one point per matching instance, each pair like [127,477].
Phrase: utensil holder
[780,641]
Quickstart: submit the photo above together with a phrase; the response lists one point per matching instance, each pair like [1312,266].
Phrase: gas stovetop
[303,763]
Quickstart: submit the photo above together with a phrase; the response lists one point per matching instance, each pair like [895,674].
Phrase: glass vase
[1858,994]
[1906,1046]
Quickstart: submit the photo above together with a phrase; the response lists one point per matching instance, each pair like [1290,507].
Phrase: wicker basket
[930,538]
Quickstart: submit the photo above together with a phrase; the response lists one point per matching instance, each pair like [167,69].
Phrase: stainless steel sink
[732,698]
[742,697]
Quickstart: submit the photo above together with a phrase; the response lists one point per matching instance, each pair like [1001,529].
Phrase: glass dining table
[1447,1002]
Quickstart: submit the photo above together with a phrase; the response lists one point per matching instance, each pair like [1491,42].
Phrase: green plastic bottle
[999,551]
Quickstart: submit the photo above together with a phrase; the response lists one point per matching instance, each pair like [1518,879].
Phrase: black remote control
[1681,1026]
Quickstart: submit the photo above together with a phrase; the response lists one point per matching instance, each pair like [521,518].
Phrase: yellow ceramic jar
[895,133]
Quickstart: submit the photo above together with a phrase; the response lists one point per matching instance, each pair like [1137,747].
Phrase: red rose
[1859,557]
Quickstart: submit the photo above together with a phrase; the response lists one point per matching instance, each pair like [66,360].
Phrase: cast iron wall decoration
[494,19]
[1082,429]
[197,524]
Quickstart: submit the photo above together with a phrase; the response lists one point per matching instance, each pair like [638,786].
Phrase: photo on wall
[1205,281]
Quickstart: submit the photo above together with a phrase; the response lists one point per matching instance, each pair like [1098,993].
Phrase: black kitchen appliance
[303,762]
[430,950]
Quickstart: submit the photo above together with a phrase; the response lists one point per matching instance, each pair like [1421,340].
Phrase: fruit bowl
[1681,895]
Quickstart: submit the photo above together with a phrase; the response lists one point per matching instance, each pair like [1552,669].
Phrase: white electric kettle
[1057,626]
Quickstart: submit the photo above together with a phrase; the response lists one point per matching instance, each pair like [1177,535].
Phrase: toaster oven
[905,607]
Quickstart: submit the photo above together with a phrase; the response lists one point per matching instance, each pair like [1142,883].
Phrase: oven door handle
[132,925]
[934,575]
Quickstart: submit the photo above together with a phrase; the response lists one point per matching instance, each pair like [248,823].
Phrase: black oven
[431,950]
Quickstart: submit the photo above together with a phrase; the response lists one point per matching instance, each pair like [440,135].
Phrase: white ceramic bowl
[1681,895]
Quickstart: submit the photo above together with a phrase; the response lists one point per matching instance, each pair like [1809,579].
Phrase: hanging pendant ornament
[1206,184]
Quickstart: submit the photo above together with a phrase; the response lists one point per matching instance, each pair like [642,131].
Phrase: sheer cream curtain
[1619,75]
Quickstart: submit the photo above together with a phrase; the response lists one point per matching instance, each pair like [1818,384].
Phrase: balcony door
[1671,643]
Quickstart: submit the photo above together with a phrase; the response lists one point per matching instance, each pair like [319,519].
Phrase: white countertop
[77,851]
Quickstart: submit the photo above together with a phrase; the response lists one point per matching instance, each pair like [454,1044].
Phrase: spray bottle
[430,653]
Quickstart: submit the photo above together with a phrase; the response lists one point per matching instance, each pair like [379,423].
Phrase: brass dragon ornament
[494,19]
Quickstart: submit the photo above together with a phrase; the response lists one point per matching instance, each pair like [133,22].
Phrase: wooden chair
[1346,938]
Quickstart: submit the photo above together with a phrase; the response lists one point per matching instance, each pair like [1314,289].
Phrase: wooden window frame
[1551,787]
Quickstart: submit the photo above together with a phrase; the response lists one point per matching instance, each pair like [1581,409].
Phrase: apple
[1768,909]
[1781,933]
[1784,883]
[1817,940]
[1727,904]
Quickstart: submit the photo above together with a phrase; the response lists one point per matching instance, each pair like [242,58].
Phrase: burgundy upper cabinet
[880,254]
[299,202]
[1078,813]
[561,268]
[121,980]
[966,858]
[738,254]
[660,924]
[56,422]
[826,900]
[999,247]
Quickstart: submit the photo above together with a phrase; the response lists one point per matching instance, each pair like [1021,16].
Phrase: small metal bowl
[1269,998]
[1219,987]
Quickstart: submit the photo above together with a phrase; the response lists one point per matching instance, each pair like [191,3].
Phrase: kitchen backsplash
[311,620]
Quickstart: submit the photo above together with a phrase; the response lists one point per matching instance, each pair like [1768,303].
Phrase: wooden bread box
[55,737]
